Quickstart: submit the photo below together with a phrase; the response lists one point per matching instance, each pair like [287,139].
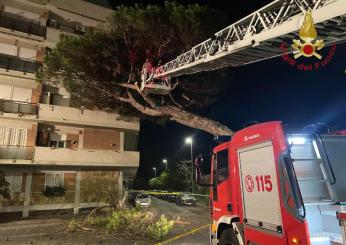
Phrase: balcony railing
[14,63]
[20,108]
[16,153]
[22,25]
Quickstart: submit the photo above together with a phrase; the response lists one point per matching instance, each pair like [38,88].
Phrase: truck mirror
[202,170]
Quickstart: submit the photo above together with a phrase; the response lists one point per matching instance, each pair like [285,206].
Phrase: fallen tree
[102,67]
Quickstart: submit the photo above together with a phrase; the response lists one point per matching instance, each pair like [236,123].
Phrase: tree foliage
[101,67]
[161,182]
[178,178]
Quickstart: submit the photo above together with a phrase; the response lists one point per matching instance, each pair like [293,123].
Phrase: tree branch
[142,108]
[173,100]
[174,113]
[117,97]
[131,100]
[150,101]
[175,85]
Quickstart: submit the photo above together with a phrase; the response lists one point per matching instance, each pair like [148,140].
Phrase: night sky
[264,91]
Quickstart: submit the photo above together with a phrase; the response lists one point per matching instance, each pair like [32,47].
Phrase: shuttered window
[13,136]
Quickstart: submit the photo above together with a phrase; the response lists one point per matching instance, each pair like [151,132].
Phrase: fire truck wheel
[228,237]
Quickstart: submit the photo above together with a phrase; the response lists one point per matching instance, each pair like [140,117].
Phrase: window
[57,144]
[15,181]
[289,187]
[222,165]
[54,179]
[130,141]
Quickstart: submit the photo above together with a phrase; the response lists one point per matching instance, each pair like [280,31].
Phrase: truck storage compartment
[334,149]
[320,167]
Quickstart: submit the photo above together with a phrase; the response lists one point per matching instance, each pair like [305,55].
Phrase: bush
[160,228]
[73,225]
[96,221]
[133,222]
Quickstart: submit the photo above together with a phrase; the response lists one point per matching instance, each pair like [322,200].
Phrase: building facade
[55,156]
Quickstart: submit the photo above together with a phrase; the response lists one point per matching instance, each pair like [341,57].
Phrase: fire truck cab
[269,188]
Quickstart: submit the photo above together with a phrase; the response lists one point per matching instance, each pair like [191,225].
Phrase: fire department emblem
[308,45]
[249,183]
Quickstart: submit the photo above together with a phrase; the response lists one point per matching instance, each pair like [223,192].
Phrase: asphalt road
[189,219]
[52,230]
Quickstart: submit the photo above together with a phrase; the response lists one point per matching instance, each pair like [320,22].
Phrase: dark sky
[264,91]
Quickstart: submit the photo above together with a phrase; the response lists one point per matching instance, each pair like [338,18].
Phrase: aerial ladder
[256,37]
[268,187]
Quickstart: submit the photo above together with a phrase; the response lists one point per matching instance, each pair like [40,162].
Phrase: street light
[189,140]
[154,170]
[165,162]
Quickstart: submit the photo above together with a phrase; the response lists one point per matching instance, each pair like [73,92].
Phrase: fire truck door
[222,198]
[260,194]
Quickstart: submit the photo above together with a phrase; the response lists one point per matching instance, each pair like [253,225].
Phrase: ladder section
[310,170]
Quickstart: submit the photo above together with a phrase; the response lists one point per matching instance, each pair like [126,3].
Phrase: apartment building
[55,156]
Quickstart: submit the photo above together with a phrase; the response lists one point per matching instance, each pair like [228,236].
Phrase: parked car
[171,198]
[131,197]
[162,194]
[142,200]
[186,198]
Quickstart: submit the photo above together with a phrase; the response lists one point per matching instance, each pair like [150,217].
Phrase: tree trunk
[195,121]
[174,113]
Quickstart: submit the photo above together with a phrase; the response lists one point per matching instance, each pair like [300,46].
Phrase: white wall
[64,156]
[69,115]
[8,49]
[5,92]
[26,53]
[22,94]
[22,13]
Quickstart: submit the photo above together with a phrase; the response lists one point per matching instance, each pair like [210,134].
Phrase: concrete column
[122,136]
[81,140]
[27,194]
[120,184]
[77,193]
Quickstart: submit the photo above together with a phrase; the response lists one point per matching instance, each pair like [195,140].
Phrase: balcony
[16,107]
[16,154]
[70,115]
[14,63]
[10,21]
[82,157]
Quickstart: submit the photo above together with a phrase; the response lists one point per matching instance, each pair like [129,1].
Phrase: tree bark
[195,121]
[184,117]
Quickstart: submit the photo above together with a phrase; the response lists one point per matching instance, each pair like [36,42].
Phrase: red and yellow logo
[308,45]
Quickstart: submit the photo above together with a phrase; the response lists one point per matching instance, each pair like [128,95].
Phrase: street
[53,229]
[190,218]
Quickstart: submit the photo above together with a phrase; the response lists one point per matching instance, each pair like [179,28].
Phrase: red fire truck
[269,188]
